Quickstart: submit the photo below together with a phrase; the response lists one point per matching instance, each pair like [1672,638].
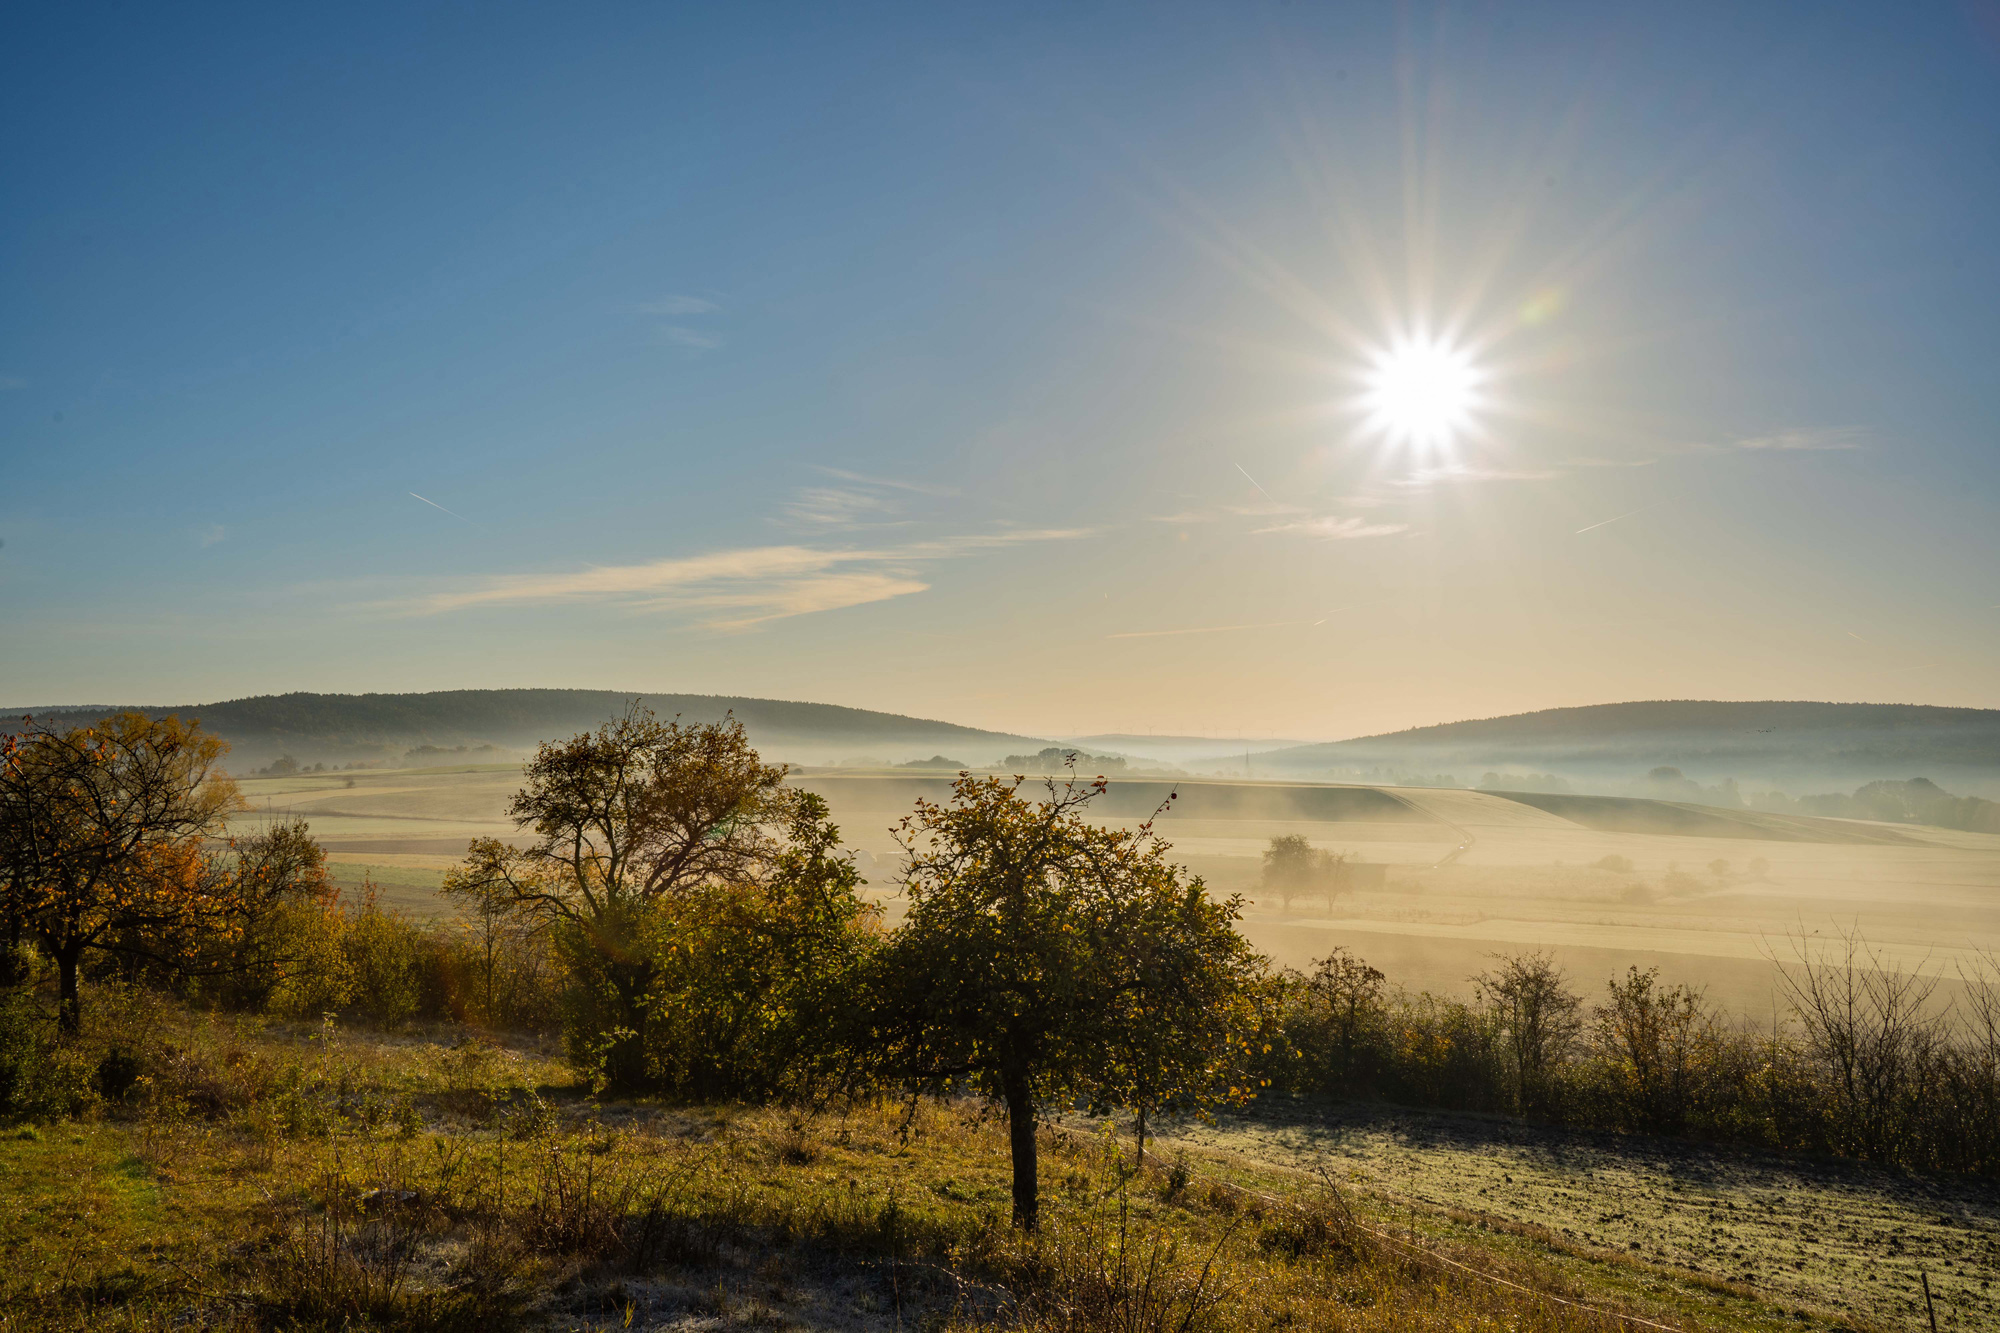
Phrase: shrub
[40,1078]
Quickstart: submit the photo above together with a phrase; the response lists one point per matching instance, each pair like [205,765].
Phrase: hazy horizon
[1048,373]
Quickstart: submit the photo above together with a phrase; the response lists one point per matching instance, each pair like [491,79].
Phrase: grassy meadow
[266,1175]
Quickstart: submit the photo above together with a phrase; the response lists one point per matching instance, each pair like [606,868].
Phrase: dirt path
[1842,1237]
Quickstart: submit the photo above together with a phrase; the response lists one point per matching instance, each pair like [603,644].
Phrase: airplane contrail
[1253,481]
[1640,510]
[435,505]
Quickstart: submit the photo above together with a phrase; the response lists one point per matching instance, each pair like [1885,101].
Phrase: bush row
[1871,1065]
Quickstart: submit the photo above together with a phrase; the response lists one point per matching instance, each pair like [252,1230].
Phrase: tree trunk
[1021,1131]
[69,1009]
[1139,1133]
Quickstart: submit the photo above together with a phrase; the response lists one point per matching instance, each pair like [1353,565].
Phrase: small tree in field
[624,818]
[1294,868]
[1044,957]
[104,834]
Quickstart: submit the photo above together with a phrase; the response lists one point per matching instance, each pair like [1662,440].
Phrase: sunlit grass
[301,1177]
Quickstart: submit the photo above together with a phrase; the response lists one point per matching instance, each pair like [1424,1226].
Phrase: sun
[1422,393]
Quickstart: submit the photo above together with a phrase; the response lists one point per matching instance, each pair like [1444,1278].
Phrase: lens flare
[1422,393]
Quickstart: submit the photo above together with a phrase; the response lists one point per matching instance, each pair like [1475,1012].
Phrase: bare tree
[1530,997]
[1867,1028]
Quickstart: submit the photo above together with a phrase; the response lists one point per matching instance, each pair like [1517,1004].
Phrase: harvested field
[1837,1237]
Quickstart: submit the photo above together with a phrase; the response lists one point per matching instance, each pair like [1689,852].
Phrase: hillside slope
[1795,742]
[341,728]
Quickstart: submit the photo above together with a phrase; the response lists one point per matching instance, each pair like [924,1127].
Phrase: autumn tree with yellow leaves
[109,842]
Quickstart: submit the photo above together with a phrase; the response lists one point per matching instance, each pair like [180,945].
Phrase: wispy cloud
[1205,629]
[747,586]
[9,383]
[891,483]
[838,506]
[804,596]
[1431,476]
[678,305]
[1216,513]
[680,335]
[1612,462]
[865,501]
[1806,438]
[1333,527]
[210,535]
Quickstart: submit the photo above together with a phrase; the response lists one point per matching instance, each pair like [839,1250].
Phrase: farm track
[1846,1238]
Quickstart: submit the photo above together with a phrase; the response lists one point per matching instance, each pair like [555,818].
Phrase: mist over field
[1708,883]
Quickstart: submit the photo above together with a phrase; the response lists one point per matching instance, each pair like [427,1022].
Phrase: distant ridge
[342,728]
[1708,739]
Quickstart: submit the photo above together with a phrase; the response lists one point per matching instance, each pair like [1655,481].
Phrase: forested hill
[1707,739]
[341,728]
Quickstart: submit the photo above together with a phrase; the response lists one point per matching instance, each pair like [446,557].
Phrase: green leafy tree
[752,977]
[1044,958]
[1189,1009]
[624,819]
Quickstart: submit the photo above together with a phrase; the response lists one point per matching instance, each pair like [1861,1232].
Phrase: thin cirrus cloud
[864,501]
[1262,509]
[682,335]
[679,335]
[1806,439]
[1792,440]
[1431,476]
[1333,527]
[678,305]
[839,506]
[736,589]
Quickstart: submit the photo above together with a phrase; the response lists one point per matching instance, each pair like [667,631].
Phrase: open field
[1468,874]
[1838,1236]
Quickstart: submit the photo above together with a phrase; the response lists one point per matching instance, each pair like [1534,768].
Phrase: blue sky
[1002,364]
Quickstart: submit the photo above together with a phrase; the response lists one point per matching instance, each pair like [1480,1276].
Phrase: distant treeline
[1056,758]
[344,727]
[1752,737]
[1918,801]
